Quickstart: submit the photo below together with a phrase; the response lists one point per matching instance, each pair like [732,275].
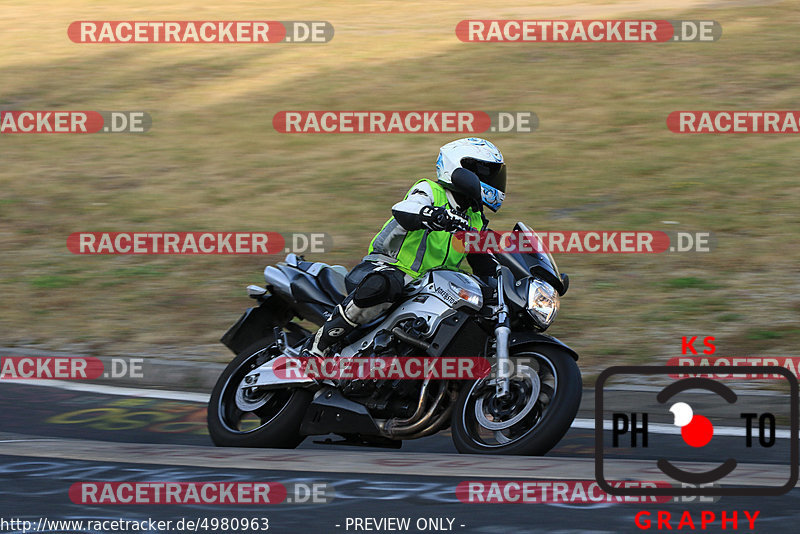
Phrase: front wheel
[544,395]
[251,417]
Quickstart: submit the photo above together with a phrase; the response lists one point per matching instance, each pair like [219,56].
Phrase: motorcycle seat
[331,280]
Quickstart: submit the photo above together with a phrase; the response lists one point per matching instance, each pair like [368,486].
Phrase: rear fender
[257,323]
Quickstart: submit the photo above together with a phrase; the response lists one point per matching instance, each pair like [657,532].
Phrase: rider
[418,238]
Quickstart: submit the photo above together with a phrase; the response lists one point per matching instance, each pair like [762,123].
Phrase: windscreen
[540,264]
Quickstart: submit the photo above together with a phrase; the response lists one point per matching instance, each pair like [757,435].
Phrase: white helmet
[481,157]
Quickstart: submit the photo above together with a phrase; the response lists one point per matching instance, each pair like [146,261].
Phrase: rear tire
[280,415]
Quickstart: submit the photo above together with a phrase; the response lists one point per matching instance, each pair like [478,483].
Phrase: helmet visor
[490,173]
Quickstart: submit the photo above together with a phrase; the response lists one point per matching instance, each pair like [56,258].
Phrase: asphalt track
[52,437]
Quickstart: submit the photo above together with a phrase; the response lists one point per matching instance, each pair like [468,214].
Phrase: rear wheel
[545,393]
[251,417]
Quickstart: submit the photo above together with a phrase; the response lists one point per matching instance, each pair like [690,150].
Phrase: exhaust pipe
[396,428]
[402,335]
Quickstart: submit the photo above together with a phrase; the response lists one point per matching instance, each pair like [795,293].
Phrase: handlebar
[488,252]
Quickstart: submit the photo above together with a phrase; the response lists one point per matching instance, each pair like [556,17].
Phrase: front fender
[524,338]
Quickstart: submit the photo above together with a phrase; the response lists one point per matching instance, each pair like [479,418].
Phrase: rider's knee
[378,287]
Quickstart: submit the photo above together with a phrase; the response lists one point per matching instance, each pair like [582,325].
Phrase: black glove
[441,219]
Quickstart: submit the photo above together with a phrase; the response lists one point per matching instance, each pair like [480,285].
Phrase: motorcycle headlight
[543,302]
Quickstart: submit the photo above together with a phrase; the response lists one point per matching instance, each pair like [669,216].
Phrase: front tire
[269,419]
[545,392]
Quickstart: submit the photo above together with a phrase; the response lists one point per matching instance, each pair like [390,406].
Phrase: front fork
[501,334]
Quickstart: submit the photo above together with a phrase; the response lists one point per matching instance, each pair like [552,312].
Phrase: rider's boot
[337,326]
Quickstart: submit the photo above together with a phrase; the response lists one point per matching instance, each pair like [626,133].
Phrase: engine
[389,398]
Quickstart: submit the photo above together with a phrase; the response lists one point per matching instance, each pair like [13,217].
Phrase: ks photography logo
[753,434]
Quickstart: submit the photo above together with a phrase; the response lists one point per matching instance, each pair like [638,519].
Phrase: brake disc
[530,376]
[249,401]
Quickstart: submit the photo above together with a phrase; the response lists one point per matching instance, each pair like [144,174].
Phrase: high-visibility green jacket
[417,251]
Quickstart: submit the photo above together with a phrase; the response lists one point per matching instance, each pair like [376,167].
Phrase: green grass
[764,334]
[602,159]
[730,317]
[54,281]
[690,282]
[137,271]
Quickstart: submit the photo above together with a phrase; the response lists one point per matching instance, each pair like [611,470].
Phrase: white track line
[28,440]
[115,390]
[586,424]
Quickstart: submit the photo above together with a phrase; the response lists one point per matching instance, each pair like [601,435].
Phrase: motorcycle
[524,406]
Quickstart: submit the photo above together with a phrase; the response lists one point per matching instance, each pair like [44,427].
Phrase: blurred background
[601,159]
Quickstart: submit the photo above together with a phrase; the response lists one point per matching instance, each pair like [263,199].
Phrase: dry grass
[601,159]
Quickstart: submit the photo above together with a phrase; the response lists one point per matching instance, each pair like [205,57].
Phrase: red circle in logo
[698,432]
